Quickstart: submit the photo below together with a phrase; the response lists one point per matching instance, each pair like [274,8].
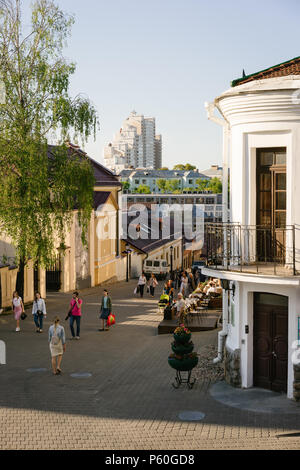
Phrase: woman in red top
[75,314]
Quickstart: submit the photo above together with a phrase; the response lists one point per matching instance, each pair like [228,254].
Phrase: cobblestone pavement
[128,402]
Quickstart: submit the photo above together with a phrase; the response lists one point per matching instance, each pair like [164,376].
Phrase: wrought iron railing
[251,248]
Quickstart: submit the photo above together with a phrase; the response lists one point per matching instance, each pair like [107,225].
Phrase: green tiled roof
[246,78]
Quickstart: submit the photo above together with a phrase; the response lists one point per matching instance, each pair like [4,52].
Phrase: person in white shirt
[141,284]
[39,312]
[184,285]
[179,305]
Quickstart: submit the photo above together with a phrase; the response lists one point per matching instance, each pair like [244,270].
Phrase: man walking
[75,314]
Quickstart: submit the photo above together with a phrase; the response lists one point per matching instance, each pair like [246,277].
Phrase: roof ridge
[240,80]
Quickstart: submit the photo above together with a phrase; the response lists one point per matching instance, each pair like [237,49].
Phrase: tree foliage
[184,167]
[161,184]
[143,189]
[41,189]
[214,185]
[172,186]
[125,185]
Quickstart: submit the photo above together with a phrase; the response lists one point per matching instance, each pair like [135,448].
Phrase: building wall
[262,114]
[237,339]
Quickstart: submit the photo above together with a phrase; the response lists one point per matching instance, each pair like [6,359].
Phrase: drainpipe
[222,334]
[210,108]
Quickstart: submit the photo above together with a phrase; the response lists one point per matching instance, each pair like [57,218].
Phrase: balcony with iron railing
[253,249]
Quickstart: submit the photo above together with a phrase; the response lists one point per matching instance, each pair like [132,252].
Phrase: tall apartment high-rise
[135,145]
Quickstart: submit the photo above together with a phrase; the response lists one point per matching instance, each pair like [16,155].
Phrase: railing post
[294,252]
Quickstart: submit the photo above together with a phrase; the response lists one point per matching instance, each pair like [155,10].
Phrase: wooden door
[270,342]
[271,204]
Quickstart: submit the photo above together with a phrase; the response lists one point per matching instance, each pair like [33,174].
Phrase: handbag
[70,312]
[111,319]
[23,316]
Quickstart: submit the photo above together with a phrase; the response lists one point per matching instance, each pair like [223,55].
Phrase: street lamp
[171,251]
[127,262]
[127,253]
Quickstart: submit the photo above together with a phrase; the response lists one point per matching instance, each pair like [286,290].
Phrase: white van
[159,267]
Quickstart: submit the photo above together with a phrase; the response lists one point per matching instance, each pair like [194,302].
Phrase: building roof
[290,67]
[125,173]
[161,173]
[100,197]
[103,176]
[147,245]
[214,170]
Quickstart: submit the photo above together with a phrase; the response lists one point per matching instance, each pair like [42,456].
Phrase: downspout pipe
[210,108]
[222,334]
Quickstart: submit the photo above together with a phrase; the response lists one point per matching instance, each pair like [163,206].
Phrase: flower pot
[184,364]
[183,338]
[182,348]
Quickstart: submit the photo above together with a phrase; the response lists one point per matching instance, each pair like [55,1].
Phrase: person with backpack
[106,307]
[38,312]
[57,343]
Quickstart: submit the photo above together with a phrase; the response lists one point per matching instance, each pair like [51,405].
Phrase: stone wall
[297,382]
[233,367]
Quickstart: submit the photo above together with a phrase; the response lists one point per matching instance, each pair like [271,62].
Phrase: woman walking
[18,308]
[38,312]
[57,342]
[152,284]
[184,285]
[141,284]
[106,307]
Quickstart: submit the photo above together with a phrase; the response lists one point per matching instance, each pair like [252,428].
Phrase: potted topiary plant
[182,334]
[183,359]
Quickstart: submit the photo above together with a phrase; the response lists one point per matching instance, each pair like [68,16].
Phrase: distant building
[136,145]
[212,203]
[187,180]
[158,151]
[215,171]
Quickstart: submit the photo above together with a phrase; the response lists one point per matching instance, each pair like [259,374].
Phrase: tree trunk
[21,279]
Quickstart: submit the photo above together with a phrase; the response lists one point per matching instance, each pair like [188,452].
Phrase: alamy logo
[296,353]
[2,353]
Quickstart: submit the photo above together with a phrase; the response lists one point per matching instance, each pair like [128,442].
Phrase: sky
[166,58]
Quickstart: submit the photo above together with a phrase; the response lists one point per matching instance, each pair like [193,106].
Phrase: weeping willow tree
[41,189]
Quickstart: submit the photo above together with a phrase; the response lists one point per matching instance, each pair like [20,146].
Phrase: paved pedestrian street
[122,397]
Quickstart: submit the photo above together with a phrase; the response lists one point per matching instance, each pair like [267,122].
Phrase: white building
[257,252]
[135,145]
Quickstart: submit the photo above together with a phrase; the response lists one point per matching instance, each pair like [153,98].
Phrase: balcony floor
[263,269]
